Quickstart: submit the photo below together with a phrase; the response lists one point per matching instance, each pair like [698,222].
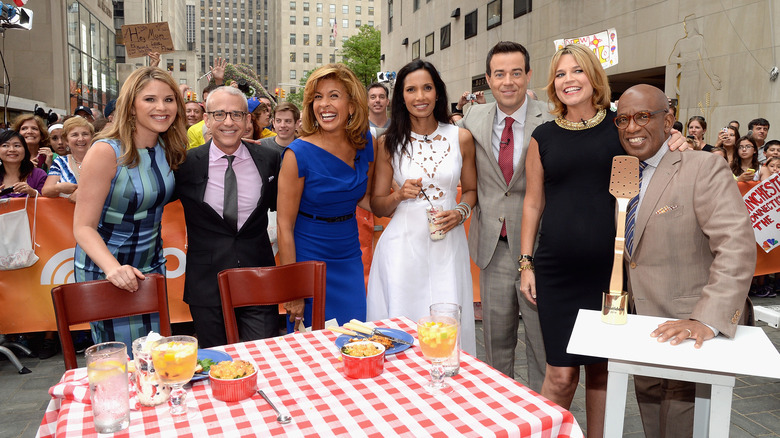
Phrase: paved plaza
[755,408]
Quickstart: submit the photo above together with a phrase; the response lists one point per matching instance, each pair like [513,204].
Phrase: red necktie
[505,151]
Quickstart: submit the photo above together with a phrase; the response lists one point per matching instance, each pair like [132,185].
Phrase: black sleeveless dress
[574,258]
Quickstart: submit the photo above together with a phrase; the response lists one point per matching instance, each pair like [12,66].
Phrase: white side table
[631,350]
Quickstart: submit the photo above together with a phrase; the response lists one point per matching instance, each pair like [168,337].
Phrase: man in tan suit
[494,235]
[693,250]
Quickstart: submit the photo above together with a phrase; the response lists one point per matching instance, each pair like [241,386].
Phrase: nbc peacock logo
[59,268]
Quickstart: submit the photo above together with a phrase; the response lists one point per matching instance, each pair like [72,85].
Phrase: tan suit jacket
[497,202]
[694,248]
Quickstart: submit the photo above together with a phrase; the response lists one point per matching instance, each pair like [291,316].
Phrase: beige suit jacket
[497,202]
[694,248]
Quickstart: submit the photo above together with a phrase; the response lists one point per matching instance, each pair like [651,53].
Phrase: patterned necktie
[632,210]
[506,150]
[230,204]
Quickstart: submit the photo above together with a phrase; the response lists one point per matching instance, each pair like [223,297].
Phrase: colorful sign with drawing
[604,45]
[140,39]
[763,204]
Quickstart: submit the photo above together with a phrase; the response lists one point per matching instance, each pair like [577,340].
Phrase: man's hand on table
[681,330]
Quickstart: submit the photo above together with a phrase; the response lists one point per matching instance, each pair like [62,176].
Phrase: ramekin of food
[363,360]
[233,381]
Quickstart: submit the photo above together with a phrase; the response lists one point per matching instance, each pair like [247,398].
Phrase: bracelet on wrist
[527,266]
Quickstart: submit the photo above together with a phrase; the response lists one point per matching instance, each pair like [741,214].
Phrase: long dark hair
[399,133]
[736,161]
[26,167]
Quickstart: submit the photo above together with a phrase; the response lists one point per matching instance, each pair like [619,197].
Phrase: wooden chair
[239,287]
[77,303]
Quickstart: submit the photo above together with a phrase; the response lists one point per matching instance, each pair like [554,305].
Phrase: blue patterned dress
[61,168]
[130,226]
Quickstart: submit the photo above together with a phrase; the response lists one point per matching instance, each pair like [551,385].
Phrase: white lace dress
[410,271]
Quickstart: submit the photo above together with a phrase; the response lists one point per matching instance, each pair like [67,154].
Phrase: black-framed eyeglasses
[641,118]
[220,116]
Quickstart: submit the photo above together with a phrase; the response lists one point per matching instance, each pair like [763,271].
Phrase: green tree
[361,53]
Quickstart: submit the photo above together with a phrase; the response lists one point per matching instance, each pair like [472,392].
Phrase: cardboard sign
[763,204]
[603,44]
[140,39]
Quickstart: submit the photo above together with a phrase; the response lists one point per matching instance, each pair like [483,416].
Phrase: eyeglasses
[220,116]
[745,147]
[641,118]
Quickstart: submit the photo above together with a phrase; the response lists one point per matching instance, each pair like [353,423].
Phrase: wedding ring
[690,333]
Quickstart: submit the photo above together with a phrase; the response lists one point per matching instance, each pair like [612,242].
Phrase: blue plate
[215,355]
[400,334]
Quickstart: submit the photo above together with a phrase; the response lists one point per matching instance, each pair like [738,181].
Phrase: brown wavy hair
[174,139]
[357,128]
[20,119]
[586,59]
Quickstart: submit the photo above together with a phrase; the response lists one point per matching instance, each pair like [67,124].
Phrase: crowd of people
[533,178]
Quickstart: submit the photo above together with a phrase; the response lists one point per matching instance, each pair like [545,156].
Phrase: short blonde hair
[586,59]
[174,139]
[358,126]
[76,122]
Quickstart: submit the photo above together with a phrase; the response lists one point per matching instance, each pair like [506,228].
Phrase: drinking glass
[452,363]
[174,359]
[438,336]
[434,229]
[108,386]
[151,392]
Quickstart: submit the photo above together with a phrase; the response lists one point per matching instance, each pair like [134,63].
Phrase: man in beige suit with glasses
[692,253]
[494,235]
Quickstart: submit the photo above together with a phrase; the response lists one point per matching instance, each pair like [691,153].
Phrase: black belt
[503,238]
[346,217]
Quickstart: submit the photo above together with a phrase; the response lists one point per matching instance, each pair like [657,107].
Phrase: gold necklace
[585,124]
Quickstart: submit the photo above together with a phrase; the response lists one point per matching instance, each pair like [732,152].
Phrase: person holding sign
[693,251]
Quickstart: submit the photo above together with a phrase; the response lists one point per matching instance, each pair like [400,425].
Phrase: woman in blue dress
[126,180]
[325,174]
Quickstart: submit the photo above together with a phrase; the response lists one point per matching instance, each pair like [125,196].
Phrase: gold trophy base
[614,308]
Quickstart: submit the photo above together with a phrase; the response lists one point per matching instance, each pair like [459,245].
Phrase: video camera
[13,17]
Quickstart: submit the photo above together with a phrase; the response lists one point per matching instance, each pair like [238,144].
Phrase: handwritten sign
[604,45]
[763,203]
[140,39]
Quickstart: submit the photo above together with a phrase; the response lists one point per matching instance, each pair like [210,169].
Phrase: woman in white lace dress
[420,151]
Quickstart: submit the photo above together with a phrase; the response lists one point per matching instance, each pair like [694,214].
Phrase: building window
[344,23]
[292,6]
[358,23]
[292,19]
[332,8]
[319,40]
[319,7]
[415,5]
[306,58]
[344,39]
[319,58]
[292,39]
[493,14]
[371,10]
[292,74]
[306,39]
[471,24]
[416,50]
[389,15]
[170,64]
[332,58]
[345,9]
[292,56]
[444,37]
[522,7]
[305,21]
[319,21]
[358,10]
[429,44]
[305,6]
[371,23]
[332,42]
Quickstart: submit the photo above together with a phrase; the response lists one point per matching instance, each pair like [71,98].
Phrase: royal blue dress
[130,226]
[331,191]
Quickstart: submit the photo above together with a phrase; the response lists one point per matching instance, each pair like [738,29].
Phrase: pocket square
[666,209]
[270,178]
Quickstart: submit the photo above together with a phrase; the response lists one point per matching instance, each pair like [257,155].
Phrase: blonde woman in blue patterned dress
[126,180]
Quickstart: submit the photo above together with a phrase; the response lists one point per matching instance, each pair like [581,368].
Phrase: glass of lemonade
[174,359]
[438,336]
[108,386]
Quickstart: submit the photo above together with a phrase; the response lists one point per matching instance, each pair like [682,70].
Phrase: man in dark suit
[692,253]
[226,188]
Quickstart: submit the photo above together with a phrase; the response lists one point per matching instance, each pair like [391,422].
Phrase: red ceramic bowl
[233,390]
[363,367]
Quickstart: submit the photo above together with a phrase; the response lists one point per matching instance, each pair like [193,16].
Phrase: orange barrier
[766,263]
[25,294]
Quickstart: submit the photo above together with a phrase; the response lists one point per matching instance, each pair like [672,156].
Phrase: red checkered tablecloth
[303,372]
